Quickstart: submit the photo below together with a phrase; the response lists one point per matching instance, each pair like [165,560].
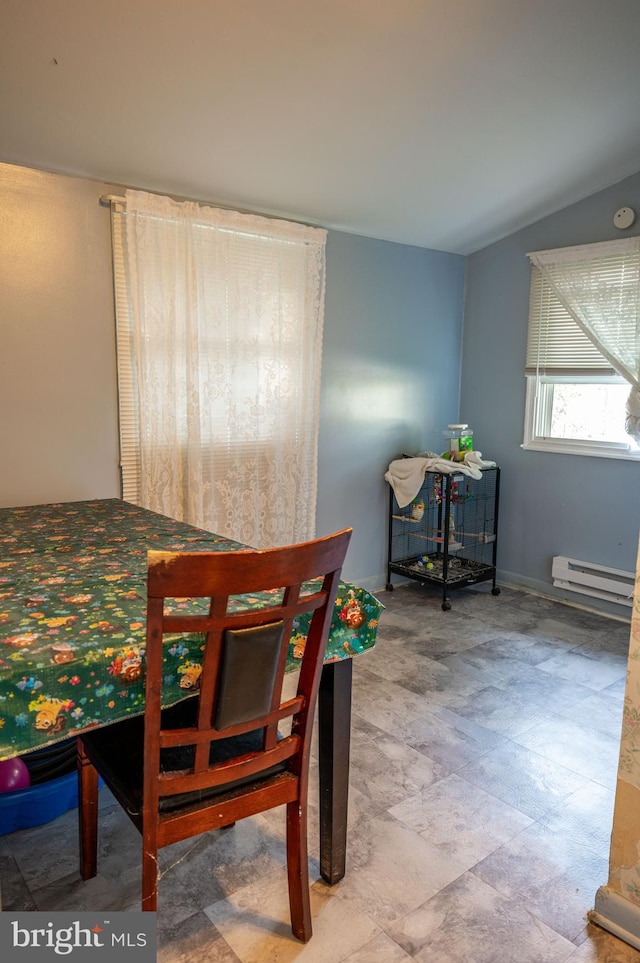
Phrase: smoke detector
[624,217]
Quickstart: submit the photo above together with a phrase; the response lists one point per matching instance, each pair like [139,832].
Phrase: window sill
[593,450]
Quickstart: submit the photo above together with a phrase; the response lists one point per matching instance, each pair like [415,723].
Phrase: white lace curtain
[599,286]
[220,318]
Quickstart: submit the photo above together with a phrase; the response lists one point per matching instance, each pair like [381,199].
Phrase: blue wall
[551,504]
[390,381]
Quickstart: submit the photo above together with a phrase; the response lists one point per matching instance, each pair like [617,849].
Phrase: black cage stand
[448,535]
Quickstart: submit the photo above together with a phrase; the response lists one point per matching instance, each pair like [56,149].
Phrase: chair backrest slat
[248,601]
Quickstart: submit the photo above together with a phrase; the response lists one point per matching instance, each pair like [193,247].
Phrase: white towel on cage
[406,475]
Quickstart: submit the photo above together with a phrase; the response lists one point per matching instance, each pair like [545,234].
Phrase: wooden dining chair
[219,756]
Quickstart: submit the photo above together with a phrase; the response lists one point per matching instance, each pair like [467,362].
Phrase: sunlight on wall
[373,394]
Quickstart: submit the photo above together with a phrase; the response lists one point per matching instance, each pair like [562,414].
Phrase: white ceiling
[441,123]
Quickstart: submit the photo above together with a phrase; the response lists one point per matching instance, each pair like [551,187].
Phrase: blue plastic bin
[38,804]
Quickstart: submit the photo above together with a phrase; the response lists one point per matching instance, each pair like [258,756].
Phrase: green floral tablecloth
[72,617]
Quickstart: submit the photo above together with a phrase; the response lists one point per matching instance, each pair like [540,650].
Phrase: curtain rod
[108,199]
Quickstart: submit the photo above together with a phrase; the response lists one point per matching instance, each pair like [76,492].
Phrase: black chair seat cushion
[117,751]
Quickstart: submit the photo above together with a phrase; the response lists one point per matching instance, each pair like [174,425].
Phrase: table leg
[334,738]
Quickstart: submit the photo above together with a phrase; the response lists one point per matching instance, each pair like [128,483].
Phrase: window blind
[556,345]
[127,407]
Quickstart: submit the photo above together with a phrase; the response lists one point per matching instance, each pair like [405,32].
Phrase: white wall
[58,409]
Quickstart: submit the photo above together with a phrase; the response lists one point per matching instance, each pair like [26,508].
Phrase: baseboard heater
[598,581]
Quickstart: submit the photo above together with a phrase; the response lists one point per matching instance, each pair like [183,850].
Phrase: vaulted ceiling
[440,123]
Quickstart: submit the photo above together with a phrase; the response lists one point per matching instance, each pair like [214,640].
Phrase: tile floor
[484,758]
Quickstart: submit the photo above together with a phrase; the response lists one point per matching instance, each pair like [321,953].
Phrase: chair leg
[298,871]
[149,871]
[87,814]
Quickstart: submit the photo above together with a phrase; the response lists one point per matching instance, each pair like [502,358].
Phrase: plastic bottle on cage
[460,441]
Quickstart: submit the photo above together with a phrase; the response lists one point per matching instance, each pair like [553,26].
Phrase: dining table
[72,637]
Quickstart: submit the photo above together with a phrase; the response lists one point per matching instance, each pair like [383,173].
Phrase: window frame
[538,418]
[558,351]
